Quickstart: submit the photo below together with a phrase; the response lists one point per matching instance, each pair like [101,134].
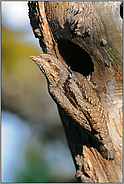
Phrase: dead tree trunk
[88,37]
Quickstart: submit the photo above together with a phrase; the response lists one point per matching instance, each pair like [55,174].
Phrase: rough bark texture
[88,37]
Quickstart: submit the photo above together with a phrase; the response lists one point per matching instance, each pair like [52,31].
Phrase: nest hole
[75,57]
[121,10]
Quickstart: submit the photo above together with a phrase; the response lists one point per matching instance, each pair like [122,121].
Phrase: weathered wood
[88,37]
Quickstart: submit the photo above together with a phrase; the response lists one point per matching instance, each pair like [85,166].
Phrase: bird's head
[50,66]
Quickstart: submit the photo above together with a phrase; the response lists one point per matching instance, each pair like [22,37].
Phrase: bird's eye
[49,60]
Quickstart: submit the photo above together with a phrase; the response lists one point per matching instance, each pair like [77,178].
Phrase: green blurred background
[34,148]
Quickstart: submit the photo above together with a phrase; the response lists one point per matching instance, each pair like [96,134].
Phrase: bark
[88,37]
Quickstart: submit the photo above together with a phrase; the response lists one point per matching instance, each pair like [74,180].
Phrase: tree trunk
[88,37]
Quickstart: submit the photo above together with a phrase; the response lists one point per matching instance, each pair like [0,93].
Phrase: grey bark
[88,37]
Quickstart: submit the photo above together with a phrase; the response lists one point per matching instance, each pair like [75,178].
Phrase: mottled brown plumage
[80,102]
